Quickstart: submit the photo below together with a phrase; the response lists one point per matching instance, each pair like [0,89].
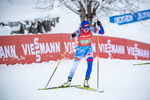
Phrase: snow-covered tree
[92,9]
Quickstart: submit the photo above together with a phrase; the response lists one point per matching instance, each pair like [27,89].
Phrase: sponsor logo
[8,51]
[137,52]
[85,36]
[130,18]
[143,15]
[37,48]
[86,25]
[110,48]
[122,19]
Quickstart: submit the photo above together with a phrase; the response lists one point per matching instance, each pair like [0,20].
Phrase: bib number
[85,41]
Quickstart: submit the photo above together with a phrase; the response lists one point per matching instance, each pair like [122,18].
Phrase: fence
[45,47]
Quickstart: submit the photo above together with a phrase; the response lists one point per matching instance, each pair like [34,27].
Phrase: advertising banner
[45,47]
[130,18]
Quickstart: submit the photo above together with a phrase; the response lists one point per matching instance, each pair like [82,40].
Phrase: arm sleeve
[101,31]
[94,30]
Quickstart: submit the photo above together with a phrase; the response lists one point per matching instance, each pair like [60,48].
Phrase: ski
[91,89]
[141,64]
[59,87]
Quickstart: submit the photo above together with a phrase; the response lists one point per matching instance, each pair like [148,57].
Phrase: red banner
[45,47]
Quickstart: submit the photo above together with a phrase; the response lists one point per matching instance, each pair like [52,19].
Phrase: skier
[83,49]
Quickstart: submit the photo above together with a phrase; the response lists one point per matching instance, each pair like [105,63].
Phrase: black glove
[98,23]
[73,35]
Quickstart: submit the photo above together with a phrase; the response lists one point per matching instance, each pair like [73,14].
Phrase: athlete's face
[86,30]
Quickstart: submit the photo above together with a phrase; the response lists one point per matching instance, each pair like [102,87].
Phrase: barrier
[130,18]
[45,47]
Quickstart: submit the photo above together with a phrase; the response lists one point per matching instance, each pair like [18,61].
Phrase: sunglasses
[87,29]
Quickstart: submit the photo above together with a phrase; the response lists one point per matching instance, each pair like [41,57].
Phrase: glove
[73,35]
[98,23]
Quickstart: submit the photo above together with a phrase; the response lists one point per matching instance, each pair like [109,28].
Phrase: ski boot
[67,84]
[86,82]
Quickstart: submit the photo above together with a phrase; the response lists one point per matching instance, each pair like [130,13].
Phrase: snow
[118,78]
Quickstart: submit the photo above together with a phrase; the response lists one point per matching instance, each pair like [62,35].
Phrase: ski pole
[58,63]
[98,58]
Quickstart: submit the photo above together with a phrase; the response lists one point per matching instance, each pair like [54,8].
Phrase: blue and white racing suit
[84,51]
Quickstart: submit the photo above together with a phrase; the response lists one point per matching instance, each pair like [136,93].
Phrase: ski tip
[43,89]
[101,91]
[91,89]
[141,64]
[58,87]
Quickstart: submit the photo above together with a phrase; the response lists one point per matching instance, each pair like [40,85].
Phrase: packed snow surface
[118,78]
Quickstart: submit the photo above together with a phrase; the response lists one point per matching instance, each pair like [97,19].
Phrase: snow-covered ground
[118,78]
